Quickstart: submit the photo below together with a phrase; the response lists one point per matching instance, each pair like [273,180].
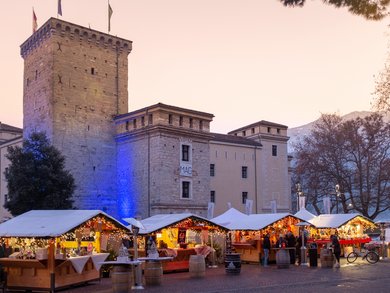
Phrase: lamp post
[303,247]
[299,193]
[337,188]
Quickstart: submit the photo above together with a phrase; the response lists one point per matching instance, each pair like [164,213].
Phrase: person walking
[266,248]
[336,250]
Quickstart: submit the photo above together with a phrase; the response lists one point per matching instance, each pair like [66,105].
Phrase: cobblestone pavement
[358,277]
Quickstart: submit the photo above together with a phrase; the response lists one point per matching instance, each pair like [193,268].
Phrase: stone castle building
[159,159]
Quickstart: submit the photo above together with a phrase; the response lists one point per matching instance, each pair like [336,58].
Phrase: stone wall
[75,82]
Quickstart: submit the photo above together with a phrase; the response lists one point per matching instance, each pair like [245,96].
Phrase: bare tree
[354,154]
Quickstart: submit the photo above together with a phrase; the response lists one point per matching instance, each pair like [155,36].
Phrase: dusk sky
[241,60]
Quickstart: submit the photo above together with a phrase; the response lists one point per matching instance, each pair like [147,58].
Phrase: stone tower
[75,82]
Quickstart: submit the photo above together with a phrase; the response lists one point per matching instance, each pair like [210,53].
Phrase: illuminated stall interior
[350,228]
[51,249]
[179,236]
[248,232]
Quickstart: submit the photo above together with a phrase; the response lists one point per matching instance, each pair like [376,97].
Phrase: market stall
[178,236]
[350,228]
[249,230]
[51,249]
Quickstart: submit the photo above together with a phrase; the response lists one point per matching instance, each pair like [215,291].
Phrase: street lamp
[303,247]
[337,188]
[299,193]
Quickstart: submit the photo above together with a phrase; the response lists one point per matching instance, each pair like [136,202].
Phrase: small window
[201,125]
[134,123]
[170,119]
[92,71]
[253,130]
[127,125]
[278,130]
[181,121]
[244,197]
[274,150]
[212,196]
[142,121]
[185,189]
[212,170]
[269,129]
[244,172]
[244,133]
[185,153]
[150,119]
[191,123]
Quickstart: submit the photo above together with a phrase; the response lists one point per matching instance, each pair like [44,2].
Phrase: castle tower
[75,82]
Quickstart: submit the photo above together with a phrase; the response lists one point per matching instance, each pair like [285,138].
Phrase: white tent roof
[304,214]
[228,217]
[48,223]
[256,221]
[158,222]
[333,220]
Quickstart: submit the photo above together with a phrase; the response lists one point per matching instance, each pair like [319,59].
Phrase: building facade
[256,166]
[75,82]
[159,159]
[9,136]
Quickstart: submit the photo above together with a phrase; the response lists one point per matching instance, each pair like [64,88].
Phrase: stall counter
[47,275]
[180,261]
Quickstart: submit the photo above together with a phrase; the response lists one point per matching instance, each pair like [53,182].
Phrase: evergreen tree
[36,177]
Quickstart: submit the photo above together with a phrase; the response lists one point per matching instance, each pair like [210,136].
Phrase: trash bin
[313,255]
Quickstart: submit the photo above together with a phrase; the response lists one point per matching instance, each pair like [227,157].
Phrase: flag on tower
[109,16]
[59,8]
[34,22]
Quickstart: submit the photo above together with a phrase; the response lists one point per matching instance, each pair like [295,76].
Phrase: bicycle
[370,255]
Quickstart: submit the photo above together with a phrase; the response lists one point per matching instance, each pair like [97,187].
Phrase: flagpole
[109,15]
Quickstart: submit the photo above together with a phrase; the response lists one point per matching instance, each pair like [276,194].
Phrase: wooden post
[51,263]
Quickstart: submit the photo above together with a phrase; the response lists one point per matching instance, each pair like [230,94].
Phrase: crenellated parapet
[62,28]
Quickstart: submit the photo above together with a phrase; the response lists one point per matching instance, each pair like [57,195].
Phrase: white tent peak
[304,214]
[228,217]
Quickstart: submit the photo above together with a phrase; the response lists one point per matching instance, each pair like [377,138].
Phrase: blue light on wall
[127,203]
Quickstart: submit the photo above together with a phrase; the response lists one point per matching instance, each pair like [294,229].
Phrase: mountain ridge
[296,132]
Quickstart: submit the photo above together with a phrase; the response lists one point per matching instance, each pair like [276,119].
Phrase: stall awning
[161,221]
[335,220]
[257,221]
[49,223]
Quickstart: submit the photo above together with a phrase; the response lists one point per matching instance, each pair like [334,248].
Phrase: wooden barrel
[197,266]
[153,273]
[283,259]
[327,259]
[121,279]
[232,263]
